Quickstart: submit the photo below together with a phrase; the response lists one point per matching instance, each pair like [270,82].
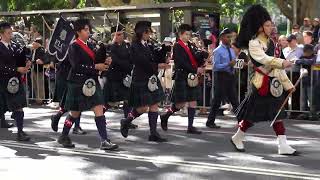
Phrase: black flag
[62,36]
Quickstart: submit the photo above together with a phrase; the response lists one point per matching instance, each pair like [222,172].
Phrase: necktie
[230,57]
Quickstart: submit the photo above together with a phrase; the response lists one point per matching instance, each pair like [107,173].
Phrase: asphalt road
[206,156]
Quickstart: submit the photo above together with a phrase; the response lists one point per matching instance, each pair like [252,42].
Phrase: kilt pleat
[75,100]
[12,102]
[140,95]
[184,93]
[115,91]
[256,108]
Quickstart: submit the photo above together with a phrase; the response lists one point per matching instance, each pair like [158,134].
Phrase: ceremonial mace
[303,72]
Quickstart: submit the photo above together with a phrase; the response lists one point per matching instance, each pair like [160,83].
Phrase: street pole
[294,12]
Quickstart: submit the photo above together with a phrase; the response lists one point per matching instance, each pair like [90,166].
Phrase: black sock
[132,115]
[153,117]
[126,109]
[77,122]
[2,119]
[18,116]
[191,114]
[68,124]
[101,126]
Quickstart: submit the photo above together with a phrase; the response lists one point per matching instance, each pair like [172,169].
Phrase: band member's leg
[77,128]
[100,120]
[191,114]
[170,111]
[125,123]
[64,139]
[153,117]
[19,118]
[56,118]
[237,139]
[283,147]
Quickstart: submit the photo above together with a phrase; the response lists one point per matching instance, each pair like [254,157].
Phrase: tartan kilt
[75,100]
[59,89]
[256,108]
[140,95]
[182,92]
[115,91]
[12,102]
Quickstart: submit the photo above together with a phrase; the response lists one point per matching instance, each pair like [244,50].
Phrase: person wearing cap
[307,25]
[295,28]
[306,61]
[224,79]
[189,61]
[83,88]
[38,59]
[146,91]
[13,65]
[116,89]
[269,80]
[292,53]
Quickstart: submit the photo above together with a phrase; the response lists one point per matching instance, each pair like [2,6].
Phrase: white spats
[237,140]
[283,147]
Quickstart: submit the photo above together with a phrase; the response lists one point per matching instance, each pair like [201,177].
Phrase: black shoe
[55,121]
[79,131]
[65,141]
[213,126]
[22,136]
[133,126]
[108,145]
[193,130]
[164,122]
[5,124]
[296,153]
[124,129]
[302,117]
[157,138]
[239,150]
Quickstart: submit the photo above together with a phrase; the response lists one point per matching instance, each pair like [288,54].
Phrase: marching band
[98,77]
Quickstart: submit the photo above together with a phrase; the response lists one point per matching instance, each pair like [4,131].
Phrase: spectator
[308,37]
[293,52]
[315,29]
[281,44]
[38,59]
[295,28]
[307,26]
[306,61]
[244,71]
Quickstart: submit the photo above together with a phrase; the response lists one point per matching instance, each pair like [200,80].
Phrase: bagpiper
[269,81]
[117,87]
[189,64]
[83,89]
[146,91]
[13,65]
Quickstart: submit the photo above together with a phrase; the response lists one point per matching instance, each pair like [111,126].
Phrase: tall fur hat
[252,20]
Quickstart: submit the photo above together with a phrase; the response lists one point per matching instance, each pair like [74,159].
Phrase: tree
[234,8]
[309,8]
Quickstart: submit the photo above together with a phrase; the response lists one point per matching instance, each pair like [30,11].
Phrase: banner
[61,38]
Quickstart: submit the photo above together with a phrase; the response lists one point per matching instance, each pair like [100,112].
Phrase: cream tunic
[271,64]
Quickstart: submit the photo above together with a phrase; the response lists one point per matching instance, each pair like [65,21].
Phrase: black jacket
[121,63]
[82,66]
[145,60]
[40,53]
[182,61]
[10,61]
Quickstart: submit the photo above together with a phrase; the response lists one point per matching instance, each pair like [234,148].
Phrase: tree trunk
[309,8]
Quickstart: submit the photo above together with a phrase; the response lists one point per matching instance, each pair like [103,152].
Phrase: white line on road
[193,164]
